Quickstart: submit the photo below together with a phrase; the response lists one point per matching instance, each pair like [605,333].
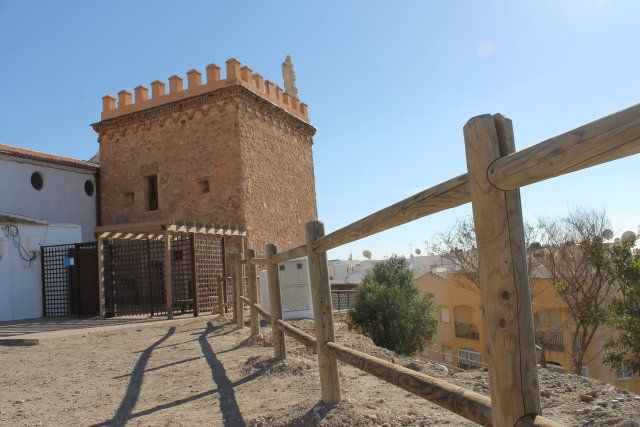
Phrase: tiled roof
[22,153]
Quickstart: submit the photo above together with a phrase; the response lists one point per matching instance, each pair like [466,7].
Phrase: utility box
[295,288]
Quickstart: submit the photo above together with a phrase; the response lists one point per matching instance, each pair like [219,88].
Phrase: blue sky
[389,86]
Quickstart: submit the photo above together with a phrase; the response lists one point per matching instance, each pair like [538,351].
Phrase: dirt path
[202,373]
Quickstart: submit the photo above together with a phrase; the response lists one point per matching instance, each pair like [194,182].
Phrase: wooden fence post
[101,296]
[168,290]
[275,302]
[253,292]
[238,291]
[323,315]
[221,296]
[504,285]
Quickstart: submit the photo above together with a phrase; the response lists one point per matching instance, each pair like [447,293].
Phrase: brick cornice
[185,105]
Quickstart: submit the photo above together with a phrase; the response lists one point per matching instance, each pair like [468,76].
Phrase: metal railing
[550,340]
[467,330]
[342,299]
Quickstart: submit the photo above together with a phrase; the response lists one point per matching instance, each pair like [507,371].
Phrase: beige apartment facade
[460,343]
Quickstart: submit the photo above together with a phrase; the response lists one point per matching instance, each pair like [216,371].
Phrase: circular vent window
[37,181]
[89,187]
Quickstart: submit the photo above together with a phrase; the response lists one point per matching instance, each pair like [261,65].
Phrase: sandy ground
[209,373]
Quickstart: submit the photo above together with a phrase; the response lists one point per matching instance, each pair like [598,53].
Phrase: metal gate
[69,279]
[134,275]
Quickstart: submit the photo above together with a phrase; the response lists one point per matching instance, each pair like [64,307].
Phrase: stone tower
[234,151]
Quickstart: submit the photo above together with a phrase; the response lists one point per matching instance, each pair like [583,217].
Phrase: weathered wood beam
[264,313]
[322,315]
[449,194]
[297,334]
[504,285]
[469,404]
[252,285]
[275,303]
[609,138]
[293,253]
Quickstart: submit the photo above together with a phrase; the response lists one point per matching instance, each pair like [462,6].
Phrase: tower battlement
[236,74]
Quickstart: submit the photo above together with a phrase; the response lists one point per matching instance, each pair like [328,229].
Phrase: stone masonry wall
[183,149]
[278,179]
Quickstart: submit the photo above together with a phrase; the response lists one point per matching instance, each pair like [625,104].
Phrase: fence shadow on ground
[225,388]
[124,411]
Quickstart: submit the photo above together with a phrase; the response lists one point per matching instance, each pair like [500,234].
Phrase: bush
[389,310]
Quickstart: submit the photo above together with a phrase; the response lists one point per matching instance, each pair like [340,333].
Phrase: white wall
[295,288]
[21,285]
[61,200]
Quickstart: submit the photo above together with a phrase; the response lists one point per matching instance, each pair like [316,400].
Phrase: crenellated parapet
[236,74]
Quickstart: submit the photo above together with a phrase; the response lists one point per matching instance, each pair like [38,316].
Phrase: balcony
[467,330]
[550,340]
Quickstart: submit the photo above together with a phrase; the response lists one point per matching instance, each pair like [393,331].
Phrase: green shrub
[389,310]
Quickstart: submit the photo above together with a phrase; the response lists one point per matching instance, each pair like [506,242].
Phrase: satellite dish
[418,251]
[535,246]
[607,234]
[628,235]
[366,254]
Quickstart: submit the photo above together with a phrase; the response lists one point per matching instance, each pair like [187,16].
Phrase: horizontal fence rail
[495,173]
[469,404]
[296,252]
[610,138]
[264,313]
[297,334]
[447,195]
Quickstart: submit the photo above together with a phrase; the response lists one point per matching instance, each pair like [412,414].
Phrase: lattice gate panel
[87,278]
[56,289]
[208,271]
[133,278]
[182,284]
[155,268]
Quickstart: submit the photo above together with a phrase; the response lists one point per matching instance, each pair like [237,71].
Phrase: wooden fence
[495,172]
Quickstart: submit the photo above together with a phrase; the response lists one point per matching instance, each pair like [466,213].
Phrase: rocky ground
[208,372]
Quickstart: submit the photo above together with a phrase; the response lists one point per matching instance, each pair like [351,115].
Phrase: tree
[623,350]
[579,259]
[458,246]
[389,310]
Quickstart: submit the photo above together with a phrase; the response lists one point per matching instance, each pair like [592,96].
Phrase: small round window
[37,181]
[89,187]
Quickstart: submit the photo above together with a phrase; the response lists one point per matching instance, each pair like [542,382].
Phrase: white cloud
[485,49]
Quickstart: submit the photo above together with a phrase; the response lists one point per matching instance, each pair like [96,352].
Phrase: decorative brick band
[186,106]
[235,75]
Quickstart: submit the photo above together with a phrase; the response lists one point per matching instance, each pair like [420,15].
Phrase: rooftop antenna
[627,235]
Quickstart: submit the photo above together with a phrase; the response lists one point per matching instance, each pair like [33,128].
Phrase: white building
[45,200]
[51,188]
